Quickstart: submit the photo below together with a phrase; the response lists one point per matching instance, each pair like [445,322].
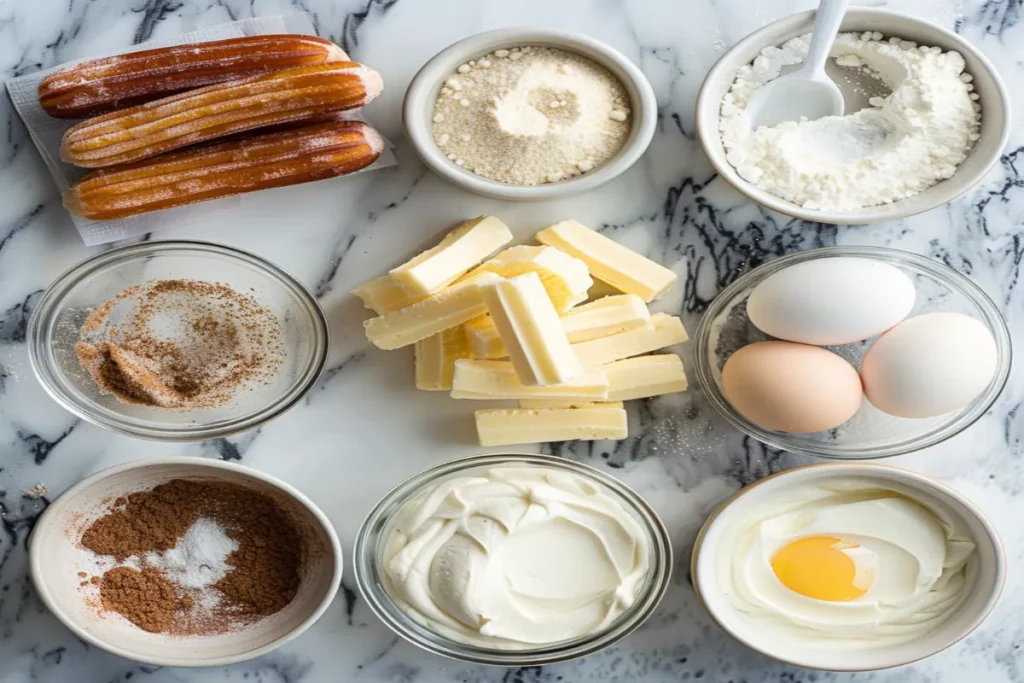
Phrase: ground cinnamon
[263,572]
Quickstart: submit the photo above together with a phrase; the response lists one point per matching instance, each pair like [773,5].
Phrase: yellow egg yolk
[817,567]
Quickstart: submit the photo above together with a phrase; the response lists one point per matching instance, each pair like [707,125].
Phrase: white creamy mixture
[906,573]
[901,145]
[515,557]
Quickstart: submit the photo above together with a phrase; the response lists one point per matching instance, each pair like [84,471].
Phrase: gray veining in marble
[363,429]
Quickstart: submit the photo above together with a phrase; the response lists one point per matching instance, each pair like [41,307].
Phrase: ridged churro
[292,95]
[103,85]
[193,175]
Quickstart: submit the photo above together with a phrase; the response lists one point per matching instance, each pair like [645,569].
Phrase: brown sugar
[264,571]
[184,344]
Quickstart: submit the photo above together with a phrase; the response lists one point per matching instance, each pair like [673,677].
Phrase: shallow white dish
[995,111]
[55,556]
[418,108]
[986,570]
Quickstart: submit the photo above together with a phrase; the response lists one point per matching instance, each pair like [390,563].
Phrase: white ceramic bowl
[995,111]
[418,109]
[55,557]
[986,571]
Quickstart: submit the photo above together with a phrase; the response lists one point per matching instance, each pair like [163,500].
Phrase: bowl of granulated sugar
[185,562]
[528,114]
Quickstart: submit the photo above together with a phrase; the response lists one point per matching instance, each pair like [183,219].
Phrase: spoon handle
[826,25]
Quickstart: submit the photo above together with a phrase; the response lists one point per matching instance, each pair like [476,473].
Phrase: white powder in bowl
[531,115]
[900,145]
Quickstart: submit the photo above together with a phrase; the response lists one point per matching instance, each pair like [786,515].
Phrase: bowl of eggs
[848,566]
[852,352]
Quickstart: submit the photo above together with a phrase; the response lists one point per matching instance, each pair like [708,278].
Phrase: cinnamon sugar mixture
[182,344]
[195,557]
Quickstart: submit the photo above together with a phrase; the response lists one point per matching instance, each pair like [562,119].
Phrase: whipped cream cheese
[848,565]
[515,557]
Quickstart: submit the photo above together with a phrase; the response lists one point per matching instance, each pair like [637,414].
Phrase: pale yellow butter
[565,278]
[664,330]
[609,261]
[645,376]
[385,295]
[436,356]
[604,317]
[458,252]
[516,426]
[497,379]
[449,308]
[538,403]
[484,339]
[531,331]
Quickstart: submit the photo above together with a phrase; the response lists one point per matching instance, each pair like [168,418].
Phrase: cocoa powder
[265,569]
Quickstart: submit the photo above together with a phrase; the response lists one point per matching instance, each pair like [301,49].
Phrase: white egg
[929,365]
[831,301]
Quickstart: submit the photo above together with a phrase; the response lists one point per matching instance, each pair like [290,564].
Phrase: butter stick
[484,339]
[497,379]
[609,261]
[517,426]
[664,330]
[449,308]
[539,403]
[645,376]
[531,331]
[604,317]
[566,279]
[436,356]
[458,252]
[385,295]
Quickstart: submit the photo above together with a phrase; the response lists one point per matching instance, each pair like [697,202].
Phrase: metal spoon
[807,92]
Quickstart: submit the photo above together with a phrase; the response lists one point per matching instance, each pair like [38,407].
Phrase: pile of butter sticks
[514,326]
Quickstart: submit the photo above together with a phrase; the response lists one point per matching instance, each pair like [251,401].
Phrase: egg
[791,387]
[929,365]
[831,301]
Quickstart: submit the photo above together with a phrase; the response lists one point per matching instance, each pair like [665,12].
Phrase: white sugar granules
[531,115]
[900,145]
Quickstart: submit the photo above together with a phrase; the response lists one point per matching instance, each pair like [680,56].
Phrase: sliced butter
[531,331]
[449,308]
[484,339]
[516,426]
[538,403]
[460,250]
[565,278]
[609,261]
[497,379]
[436,356]
[386,295]
[645,376]
[664,330]
[604,317]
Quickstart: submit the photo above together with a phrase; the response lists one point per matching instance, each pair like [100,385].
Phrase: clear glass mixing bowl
[870,433]
[54,328]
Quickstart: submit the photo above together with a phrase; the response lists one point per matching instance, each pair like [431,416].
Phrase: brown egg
[791,387]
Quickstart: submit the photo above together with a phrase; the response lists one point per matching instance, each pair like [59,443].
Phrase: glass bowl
[53,331]
[870,433]
[372,538]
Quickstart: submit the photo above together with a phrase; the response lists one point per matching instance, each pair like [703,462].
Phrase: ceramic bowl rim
[56,608]
[940,488]
[421,93]
[783,28]
[52,381]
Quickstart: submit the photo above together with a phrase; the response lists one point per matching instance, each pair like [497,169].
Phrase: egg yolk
[817,567]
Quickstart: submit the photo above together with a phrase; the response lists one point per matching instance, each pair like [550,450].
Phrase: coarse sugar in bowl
[519,541]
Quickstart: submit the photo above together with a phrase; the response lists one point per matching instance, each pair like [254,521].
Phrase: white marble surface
[363,429]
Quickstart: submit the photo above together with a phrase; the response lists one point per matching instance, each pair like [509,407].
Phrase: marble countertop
[362,429]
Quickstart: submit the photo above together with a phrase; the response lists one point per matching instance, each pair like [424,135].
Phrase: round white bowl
[995,111]
[986,570]
[55,557]
[418,109]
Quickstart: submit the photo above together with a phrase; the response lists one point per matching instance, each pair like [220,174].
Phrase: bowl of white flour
[926,118]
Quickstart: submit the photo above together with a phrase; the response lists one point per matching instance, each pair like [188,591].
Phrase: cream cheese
[515,557]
